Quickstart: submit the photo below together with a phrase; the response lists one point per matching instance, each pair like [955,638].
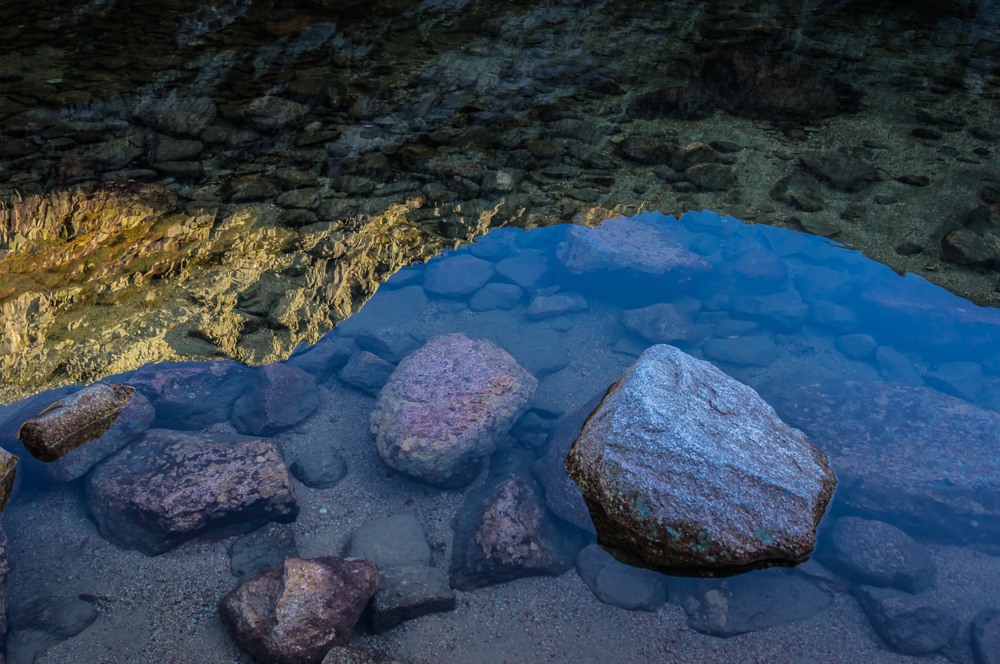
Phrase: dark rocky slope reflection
[185,180]
[893,378]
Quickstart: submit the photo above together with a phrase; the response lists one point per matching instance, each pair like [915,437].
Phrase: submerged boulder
[688,471]
[447,406]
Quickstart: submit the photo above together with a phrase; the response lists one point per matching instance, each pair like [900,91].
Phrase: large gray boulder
[447,406]
[688,471]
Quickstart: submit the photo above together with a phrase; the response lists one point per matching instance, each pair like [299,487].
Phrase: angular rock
[43,621]
[447,406]
[785,311]
[525,270]
[751,603]
[392,541]
[911,456]
[251,188]
[168,487]
[409,592]
[366,372]
[179,115]
[502,533]
[984,637]
[908,624]
[496,296]
[660,323]
[875,553]
[965,247]
[457,276]
[279,397]
[172,149]
[755,488]
[8,478]
[539,350]
[255,552]
[190,395]
[711,177]
[345,655]
[619,585]
[833,316]
[755,351]
[296,612]
[754,271]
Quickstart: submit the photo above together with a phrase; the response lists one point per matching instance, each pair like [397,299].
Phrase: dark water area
[254,211]
[204,180]
[135,548]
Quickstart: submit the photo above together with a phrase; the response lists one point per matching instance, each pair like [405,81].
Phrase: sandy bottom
[163,609]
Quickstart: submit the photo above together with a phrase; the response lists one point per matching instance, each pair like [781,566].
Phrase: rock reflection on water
[895,379]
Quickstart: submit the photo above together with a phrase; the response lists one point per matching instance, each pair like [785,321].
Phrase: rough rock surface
[168,487]
[502,533]
[447,406]
[43,621]
[190,395]
[261,549]
[409,592]
[984,636]
[294,613]
[392,541]
[685,469]
[912,456]
[874,553]
[908,624]
[660,323]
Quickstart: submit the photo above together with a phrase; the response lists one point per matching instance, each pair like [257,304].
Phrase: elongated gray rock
[447,406]
[688,471]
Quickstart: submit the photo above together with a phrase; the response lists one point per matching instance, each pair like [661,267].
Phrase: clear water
[416,127]
[815,293]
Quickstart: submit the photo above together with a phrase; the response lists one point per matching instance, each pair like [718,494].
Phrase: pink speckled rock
[296,612]
[689,471]
[447,406]
[168,487]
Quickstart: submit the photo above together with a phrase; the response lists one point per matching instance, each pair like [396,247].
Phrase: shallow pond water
[894,378]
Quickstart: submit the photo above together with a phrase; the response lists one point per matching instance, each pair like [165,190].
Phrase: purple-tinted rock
[908,624]
[279,397]
[660,323]
[190,395]
[875,553]
[447,406]
[296,612]
[502,533]
[911,456]
[457,276]
[685,469]
[629,245]
[392,344]
[409,592]
[325,358]
[168,487]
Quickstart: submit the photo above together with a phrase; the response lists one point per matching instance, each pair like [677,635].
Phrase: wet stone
[438,418]
[391,541]
[908,624]
[876,553]
[344,655]
[965,247]
[324,359]
[366,372]
[752,351]
[619,585]
[755,271]
[660,323]
[251,188]
[896,367]
[833,316]
[457,276]
[711,177]
[172,149]
[190,395]
[525,270]
[908,249]
[170,486]
[409,592]
[785,311]
[857,346]
[299,198]
[960,379]
[279,397]
[839,170]
[541,351]
[298,610]
[178,115]
[681,426]
[751,603]
[262,549]
[984,637]
[269,113]
[392,344]
[321,468]
[41,622]
[548,306]
[496,296]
